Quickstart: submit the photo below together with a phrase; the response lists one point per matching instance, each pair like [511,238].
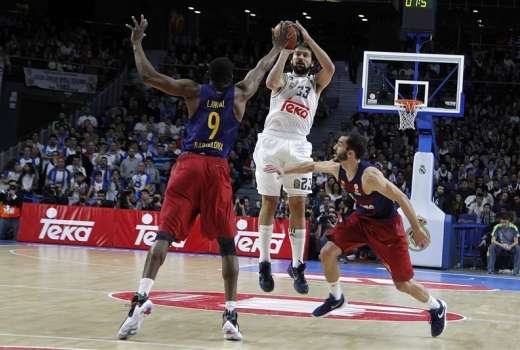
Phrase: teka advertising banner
[135,229]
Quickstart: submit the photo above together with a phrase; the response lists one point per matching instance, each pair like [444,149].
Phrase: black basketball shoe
[329,305]
[300,283]
[266,278]
[438,318]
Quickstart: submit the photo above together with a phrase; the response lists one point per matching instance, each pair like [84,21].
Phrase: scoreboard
[419,15]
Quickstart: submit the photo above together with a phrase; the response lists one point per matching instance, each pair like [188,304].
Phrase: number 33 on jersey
[294,106]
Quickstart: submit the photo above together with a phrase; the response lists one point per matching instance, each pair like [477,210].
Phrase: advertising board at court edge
[133,229]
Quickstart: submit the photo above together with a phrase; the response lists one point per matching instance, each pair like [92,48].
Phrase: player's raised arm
[374,180]
[254,77]
[324,76]
[177,87]
[327,167]
[275,79]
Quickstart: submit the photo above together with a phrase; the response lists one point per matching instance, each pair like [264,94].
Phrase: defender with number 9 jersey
[284,138]
[200,182]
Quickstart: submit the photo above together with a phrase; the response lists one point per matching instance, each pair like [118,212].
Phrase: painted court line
[53,288]
[38,347]
[113,341]
[461,274]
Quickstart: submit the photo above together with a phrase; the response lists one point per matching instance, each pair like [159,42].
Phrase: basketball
[293,36]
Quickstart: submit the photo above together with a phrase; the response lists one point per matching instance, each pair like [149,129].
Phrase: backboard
[434,79]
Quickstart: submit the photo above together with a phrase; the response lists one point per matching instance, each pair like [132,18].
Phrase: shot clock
[419,15]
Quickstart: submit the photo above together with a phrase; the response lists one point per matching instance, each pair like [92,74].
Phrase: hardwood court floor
[58,297]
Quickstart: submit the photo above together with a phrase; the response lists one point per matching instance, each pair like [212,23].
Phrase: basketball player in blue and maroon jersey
[200,183]
[375,223]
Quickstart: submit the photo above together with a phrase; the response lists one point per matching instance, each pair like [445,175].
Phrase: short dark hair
[357,143]
[505,216]
[221,71]
[303,45]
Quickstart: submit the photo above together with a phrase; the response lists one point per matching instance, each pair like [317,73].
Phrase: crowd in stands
[122,157]
[478,162]
[486,63]
[39,42]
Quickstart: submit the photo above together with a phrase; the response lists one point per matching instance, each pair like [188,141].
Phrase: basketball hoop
[408,110]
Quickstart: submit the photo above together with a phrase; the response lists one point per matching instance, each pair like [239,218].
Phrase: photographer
[126,199]
[101,200]
[146,202]
[242,207]
[10,210]
[326,221]
[52,195]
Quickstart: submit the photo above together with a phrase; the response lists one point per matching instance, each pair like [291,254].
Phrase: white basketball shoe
[230,326]
[140,308]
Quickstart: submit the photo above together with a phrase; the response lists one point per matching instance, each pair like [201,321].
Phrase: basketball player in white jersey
[294,99]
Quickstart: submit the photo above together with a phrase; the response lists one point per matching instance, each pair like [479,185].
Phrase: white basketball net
[407,112]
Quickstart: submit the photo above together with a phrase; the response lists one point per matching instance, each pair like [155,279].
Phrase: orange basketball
[293,36]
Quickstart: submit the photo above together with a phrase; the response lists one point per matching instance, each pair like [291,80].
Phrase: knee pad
[227,246]
[165,236]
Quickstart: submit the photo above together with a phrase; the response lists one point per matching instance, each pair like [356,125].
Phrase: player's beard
[301,69]
[340,157]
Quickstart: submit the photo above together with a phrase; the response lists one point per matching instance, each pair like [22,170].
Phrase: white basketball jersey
[293,108]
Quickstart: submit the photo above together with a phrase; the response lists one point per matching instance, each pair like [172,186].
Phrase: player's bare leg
[297,235]
[265,231]
[141,306]
[438,308]
[230,275]
[155,258]
[329,261]
[414,289]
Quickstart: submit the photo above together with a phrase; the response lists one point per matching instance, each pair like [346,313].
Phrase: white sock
[145,286]
[297,237]
[335,289]
[266,233]
[433,303]
[231,305]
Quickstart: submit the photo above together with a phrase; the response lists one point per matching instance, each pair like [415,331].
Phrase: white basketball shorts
[282,151]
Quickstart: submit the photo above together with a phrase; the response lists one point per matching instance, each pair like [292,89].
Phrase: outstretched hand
[273,169]
[138,30]
[420,237]
[281,38]
[303,32]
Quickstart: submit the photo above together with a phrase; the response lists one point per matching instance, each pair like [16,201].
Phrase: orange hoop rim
[409,105]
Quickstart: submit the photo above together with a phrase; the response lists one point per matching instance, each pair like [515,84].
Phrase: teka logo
[295,108]
[146,233]
[65,230]
[248,242]
[278,305]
